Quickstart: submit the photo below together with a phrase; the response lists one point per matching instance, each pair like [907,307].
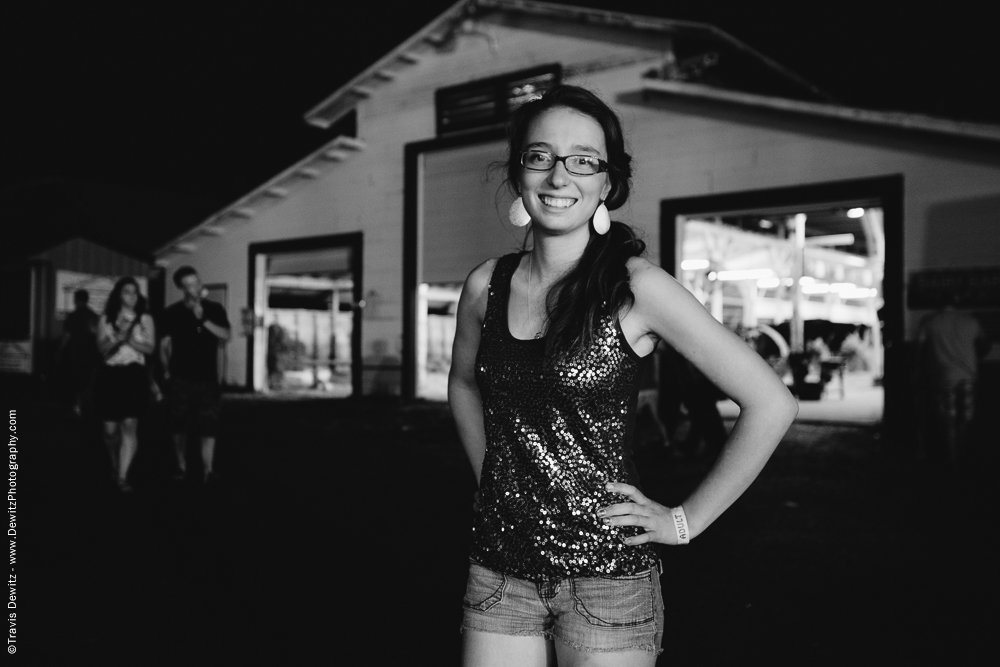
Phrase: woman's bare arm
[463,392]
[665,308]
[107,337]
[145,341]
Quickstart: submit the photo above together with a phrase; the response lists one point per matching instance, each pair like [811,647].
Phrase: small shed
[42,292]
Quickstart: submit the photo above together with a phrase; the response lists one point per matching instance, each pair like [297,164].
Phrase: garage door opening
[803,287]
[457,221]
[306,332]
[811,278]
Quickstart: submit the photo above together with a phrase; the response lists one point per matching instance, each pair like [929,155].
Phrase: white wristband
[680,525]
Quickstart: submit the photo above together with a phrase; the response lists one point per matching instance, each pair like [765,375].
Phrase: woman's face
[130,295]
[557,200]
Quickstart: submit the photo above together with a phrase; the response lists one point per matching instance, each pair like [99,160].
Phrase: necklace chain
[528,312]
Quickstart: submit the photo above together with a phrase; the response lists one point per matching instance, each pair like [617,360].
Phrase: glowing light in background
[855,213]
[694,264]
[859,293]
[745,274]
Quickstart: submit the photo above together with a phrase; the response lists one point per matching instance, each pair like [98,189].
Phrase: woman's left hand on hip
[648,514]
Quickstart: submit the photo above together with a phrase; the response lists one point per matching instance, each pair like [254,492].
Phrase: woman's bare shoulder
[638,266]
[476,289]
[479,278]
[649,279]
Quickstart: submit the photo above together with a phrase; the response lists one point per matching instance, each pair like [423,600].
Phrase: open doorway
[804,278]
[305,295]
[455,220]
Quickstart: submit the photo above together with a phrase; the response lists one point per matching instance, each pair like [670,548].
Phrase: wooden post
[797,329]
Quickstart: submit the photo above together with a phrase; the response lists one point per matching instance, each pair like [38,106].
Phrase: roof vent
[487,103]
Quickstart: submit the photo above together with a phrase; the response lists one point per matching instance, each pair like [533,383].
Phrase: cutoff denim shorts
[594,614]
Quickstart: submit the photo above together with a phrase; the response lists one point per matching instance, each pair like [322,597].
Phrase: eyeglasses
[578,165]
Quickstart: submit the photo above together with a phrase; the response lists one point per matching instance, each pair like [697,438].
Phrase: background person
[192,330]
[951,344]
[544,375]
[78,358]
[125,335]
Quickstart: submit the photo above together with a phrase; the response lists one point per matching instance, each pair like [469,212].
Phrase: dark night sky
[135,124]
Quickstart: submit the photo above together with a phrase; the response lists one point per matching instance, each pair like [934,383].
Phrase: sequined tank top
[555,435]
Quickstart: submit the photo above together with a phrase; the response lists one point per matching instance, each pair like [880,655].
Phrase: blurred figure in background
[951,344]
[125,335]
[77,359]
[192,330]
[686,385]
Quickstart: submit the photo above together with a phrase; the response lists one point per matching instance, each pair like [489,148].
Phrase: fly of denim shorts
[593,614]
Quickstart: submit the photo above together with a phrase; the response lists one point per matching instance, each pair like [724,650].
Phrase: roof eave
[315,116]
[898,119]
[335,151]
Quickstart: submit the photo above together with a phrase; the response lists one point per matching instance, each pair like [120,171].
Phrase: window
[486,103]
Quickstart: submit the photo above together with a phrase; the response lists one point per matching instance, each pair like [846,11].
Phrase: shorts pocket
[615,603]
[484,589]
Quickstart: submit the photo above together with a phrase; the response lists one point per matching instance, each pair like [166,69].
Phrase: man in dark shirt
[192,330]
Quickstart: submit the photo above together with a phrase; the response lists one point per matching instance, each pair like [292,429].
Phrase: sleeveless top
[556,433]
[126,354]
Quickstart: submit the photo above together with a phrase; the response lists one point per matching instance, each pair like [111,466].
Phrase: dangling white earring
[602,219]
[518,215]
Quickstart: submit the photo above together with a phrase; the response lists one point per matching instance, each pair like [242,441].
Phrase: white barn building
[356,252]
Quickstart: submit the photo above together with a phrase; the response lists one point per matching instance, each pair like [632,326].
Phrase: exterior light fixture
[855,212]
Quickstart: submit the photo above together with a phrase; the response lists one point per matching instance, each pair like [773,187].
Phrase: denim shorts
[587,613]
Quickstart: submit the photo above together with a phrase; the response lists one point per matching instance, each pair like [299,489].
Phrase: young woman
[125,335]
[543,389]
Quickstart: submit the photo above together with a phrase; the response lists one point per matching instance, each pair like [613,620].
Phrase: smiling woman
[547,358]
[579,170]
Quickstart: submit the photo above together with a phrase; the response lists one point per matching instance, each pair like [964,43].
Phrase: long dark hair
[599,282]
[113,306]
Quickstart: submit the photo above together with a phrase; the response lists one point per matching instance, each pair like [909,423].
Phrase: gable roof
[697,50]
[85,256]
[701,61]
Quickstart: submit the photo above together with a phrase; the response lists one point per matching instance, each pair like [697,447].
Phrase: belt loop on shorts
[659,565]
